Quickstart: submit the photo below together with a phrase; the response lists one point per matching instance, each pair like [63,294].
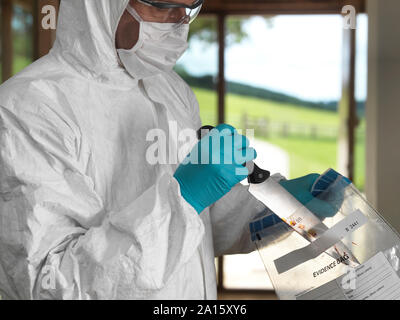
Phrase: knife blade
[297,216]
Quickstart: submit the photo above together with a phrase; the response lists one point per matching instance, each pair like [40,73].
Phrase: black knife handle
[203,131]
[256,176]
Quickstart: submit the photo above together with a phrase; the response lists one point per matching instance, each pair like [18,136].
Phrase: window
[283,78]
[16,36]
[284,81]
[22,26]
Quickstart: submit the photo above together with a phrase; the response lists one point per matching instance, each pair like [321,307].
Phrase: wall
[383,109]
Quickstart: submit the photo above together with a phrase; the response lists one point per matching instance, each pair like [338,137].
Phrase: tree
[205,29]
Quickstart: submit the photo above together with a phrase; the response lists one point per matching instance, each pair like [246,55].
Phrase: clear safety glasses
[178,11]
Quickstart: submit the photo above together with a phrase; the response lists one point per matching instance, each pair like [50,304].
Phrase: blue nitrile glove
[300,188]
[204,181]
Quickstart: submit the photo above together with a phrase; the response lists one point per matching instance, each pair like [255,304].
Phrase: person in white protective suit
[83,215]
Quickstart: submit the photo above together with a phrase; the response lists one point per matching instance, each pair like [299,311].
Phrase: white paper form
[327,240]
[373,280]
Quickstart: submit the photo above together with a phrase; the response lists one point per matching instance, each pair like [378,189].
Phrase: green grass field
[19,63]
[306,154]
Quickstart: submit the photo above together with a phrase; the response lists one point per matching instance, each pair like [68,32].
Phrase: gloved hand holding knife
[203,182]
[214,166]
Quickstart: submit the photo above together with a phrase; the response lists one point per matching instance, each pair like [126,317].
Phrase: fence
[264,127]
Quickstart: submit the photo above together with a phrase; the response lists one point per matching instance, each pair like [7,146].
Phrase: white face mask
[159,47]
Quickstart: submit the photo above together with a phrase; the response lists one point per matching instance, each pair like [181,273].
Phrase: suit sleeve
[230,218]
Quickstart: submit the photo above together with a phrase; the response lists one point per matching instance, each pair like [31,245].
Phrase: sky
[296,55]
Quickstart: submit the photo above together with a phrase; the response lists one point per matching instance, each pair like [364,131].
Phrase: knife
[288,208]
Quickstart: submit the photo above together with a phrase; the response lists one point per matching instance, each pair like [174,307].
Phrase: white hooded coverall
[83,215]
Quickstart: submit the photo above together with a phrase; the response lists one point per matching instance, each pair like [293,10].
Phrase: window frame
[348,115]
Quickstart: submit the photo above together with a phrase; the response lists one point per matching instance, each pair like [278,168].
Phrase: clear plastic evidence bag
[353,255]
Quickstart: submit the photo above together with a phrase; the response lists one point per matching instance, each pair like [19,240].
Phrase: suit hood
[86,36]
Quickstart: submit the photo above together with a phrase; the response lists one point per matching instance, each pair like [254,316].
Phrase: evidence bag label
[373,280]
[327,240]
